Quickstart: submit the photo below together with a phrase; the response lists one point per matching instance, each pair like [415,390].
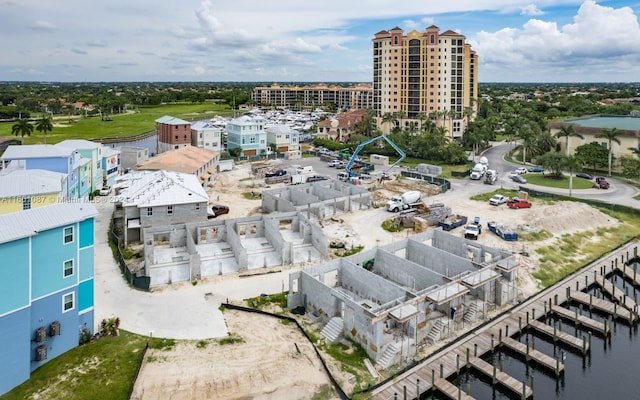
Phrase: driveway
[179,311]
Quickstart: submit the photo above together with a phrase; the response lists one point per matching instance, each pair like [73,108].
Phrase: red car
[517,202]
[602,183]
[216,210]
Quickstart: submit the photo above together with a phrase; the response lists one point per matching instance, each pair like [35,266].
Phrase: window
[68,235]
[26,203]
[149,211]
[67,302]
[170,210]
[67,268]
[197,206]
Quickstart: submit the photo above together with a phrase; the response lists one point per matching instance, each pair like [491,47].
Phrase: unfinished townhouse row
[396,297]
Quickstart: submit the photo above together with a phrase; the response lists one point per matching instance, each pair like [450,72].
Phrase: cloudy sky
[310,41]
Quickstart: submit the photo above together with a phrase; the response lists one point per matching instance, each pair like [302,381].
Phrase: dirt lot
[266,364]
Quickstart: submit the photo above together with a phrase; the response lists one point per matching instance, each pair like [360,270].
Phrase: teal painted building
[46,294]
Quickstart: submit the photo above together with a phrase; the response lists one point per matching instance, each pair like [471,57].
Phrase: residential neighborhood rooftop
[162,188]
[34,151]
[188,159]
[27,223]
[25,182]
[171,120]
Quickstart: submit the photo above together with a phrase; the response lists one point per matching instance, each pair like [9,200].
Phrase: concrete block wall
[235,242]
[301,197]
[274,236]
[318,297]
[404,272]
[437,260]
[368,285]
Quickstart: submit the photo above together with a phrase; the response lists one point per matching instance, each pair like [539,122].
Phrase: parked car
[216,210]
[536,169]
[498,199]
[584,175]
[341,165]
[518,202]
[518,179]
[333,163]
[105,190]
[316,178]
[513,173]
[521,170]
[602,183]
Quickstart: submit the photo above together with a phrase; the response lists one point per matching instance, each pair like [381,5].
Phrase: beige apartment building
[310,96]
[424,74]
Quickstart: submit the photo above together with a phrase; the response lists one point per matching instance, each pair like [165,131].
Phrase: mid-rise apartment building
[310,96]
[425,74]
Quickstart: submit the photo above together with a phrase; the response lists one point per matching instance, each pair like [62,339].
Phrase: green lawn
[121,125]
[103,369]
[562,183]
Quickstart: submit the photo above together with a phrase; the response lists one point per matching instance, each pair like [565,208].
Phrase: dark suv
[316,178]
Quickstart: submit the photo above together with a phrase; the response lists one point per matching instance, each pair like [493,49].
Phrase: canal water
[611,371]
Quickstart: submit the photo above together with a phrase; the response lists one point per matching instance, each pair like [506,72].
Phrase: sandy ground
[266,364]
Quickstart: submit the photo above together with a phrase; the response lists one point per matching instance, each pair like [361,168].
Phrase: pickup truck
[517,202]
[472,231]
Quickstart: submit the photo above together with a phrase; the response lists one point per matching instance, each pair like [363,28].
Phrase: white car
[105,190]
[513,173]
[498,199]
[521,170]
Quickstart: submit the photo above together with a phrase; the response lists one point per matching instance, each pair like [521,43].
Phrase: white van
[304,170]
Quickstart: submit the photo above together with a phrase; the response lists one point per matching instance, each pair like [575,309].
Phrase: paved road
[619,192]
[185,311]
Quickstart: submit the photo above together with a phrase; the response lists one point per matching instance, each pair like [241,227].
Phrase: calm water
[611,371]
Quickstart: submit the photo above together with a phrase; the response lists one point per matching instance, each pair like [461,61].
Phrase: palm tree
[612,136]
[44,125]
[567,131]
[527,134]
[389,118]
[400,115]
[635,150]
[21,128]
[572,164]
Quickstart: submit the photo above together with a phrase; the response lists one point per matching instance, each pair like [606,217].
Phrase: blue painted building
[110,165]
[52,158]
[46,290]
[247,133]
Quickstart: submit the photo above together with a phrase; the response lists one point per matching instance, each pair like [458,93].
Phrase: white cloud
[598,37]
[531,9]
[43,26]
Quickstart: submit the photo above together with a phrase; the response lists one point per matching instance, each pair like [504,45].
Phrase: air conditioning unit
[41,353]
[41,334]
[54,328]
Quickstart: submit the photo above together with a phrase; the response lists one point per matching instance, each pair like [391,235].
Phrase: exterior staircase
[471,313]
[435,331]
[389,355]
[333,329]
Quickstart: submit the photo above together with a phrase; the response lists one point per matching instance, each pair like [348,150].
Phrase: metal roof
[79,144]
[27,223]
[25,182]
[162,188]
[171,120]
[35,151]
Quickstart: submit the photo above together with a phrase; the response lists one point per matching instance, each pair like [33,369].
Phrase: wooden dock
[630,274]
[578,319]
[617,294]
[576,343]
[539,357]
[447,361]
[497,376]
[604,306]
[448,389]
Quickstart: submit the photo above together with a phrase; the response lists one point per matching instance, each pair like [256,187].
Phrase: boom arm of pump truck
[403,155]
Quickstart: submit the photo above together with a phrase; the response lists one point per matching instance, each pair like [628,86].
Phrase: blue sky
[291,41]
